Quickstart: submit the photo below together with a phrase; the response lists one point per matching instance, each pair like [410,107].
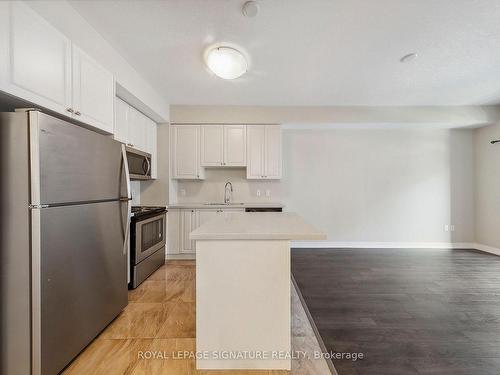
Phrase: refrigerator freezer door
[15,315]
[81,277]
[71,164]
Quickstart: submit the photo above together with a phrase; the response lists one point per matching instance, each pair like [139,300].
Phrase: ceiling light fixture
[226,62]
[409,57]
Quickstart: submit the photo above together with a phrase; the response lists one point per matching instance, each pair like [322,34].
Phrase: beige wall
[488,186]
[365,185]
[382,185]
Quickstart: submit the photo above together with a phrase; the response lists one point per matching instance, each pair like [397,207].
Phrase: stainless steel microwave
[139,164]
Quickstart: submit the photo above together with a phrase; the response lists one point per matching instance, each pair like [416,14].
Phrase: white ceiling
[312,52]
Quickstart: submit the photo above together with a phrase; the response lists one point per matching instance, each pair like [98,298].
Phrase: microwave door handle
[148,172]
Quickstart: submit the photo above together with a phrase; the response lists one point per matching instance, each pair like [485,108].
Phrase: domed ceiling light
[226,62]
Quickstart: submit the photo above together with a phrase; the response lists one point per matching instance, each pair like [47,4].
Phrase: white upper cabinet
[273,158]
[131,126]
[93,92]
[137,129]
[264,160]
[235,145]
[121,121]
[41,65]
[35,58]
[212,149]
[185,152]
[223,145]
[256,138]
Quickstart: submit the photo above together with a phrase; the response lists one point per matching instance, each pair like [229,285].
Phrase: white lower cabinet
[181,222]
[188,224]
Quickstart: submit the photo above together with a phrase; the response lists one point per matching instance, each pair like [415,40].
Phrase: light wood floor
[160,318]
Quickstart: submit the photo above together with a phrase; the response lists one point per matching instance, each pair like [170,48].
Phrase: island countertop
[257,226]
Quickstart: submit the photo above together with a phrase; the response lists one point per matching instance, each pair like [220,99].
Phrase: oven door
[149,236]
[139,164]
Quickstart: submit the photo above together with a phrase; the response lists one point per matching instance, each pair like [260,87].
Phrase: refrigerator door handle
[127,199]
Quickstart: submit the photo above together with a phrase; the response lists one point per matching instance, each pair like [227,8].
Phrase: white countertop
[222,205]
[257,226]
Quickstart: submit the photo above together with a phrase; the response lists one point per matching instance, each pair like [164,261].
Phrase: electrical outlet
[452,227]
[446,228]
[268,193]
[258,192]
[183,192]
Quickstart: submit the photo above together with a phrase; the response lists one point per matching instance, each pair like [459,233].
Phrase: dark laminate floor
[409,311]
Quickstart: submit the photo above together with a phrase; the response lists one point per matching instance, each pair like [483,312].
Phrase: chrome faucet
[227,197]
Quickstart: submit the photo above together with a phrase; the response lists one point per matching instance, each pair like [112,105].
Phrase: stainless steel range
[147,242]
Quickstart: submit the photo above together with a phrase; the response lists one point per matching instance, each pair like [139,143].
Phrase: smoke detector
[250,9]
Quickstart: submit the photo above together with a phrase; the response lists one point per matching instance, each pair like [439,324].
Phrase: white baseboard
[394,245]
[383,245]
[487,249]
[180,256]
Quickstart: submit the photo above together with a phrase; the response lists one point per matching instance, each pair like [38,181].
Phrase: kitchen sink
[224,204]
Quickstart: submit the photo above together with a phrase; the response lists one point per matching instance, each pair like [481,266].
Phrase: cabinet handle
[70,110]
[78,113]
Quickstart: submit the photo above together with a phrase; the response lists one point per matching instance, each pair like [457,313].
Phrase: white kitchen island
[243,317]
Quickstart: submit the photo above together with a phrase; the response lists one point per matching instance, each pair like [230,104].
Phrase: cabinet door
[174,231]
[151,145]
[212,145]
[121,121]
[273,152]
[256,136]
[185,152]
[188,218]
[206,215]
[93,92]
[137,129]
[235,145]
[35,58]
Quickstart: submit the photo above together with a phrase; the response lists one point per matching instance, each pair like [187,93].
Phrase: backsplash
[135,189]
[211,189]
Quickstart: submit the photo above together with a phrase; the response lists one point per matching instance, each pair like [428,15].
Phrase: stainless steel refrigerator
[64,194]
